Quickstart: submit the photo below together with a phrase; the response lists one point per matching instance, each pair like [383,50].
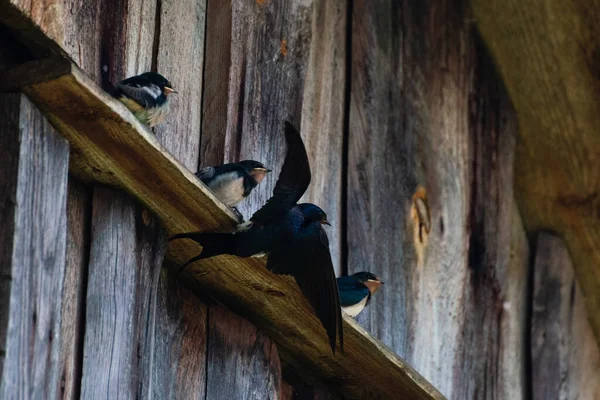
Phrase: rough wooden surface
[75,285]
[242,362]
[123,269]
[118,149]
[35,265]
[429,123]
[216,82]
[547,54]
[181,59]
[565,354]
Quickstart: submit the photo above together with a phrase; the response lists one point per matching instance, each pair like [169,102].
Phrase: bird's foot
[238,214]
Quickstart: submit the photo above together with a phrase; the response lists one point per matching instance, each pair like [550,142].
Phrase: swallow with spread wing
[293,237]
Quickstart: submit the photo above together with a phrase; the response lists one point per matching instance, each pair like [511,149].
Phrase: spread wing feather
[293,180]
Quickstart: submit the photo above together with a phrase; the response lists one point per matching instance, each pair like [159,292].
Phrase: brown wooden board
[565,359]
[34,192]
[547,54]
[242,362]
[75,284]
[111,146]
[430,202]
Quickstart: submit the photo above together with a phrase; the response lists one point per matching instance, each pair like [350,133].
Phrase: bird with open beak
[292,235]
[233,182]
[356,291]
[146,96]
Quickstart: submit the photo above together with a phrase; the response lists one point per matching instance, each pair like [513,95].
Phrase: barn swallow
[146,95]
[233,182]
[356,291]
[292,235]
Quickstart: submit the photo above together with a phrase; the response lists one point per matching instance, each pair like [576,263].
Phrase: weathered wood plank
[181,59]
[242,362]
[34,267]
[177,368]
[547,54]
[565,354]
[429,123]
[114,147]
[216,82]
[125,259]
[73,302]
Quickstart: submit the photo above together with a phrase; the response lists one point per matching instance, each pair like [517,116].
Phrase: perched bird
[293,237]
[146,95]
[356,291]
[233,182]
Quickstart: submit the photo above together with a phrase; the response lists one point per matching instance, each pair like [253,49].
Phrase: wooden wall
[411,138]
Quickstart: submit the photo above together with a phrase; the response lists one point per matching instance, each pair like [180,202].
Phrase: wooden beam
[547,53]
[109,145]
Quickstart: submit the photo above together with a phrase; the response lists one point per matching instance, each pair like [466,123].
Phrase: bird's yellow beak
[262,169]
[376,281]
[169,90]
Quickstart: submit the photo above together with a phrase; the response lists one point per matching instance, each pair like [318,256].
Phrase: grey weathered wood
[181,59]
[177,368]
[565,358]
[242,362]
[125,259]
[33,268]
[216,82]
[73,302]
[429,120]
[266,84]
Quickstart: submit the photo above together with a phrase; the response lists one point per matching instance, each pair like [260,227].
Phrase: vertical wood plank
[242,362]
[72,314]
[177,369]
[216,82]
[35,266]
[323,109]
[125,258]
[181,59]
[565,354]
[429,121]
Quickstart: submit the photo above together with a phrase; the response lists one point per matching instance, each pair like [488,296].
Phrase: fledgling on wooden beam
[146,96]
[356,291]
[292,235]
[233,182]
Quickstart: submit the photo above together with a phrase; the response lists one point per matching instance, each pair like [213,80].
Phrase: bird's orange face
[259,174]
[168,90]
[373,285]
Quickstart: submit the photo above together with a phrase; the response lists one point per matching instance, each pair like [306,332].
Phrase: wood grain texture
[113,147]
[177,346]
[215,85]
[429,120]
[34,267]
[242,362]
[125,260]
[565,354]
[74,287]
[181,59]
[547,53]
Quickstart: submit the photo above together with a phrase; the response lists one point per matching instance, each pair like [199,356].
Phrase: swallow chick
[146,96]
[292,236]
[233,182]
[356,291]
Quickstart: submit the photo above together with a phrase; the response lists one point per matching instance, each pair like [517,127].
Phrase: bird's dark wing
[293,180]
[351,291]
[138,93]
[205,173]
[307,259]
